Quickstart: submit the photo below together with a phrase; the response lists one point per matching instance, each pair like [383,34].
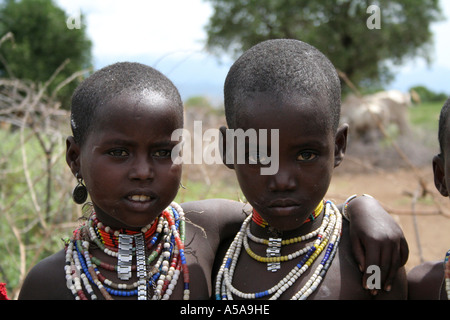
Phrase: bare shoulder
[343,280]
[425,281]
[46,280]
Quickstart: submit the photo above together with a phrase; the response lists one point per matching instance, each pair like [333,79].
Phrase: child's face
[126,162]
[307,148]
[441,166]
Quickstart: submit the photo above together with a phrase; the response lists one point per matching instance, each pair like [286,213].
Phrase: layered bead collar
[157,272]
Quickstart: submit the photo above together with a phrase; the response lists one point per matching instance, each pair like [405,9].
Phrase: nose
[283,180]
[142,168]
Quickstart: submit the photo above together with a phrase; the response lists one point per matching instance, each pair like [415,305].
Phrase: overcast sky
[169,35]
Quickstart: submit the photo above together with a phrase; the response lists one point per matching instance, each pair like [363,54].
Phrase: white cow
[366,114]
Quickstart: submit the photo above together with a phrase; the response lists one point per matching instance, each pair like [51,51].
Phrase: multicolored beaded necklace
[273,251]
[447,273]
[328,235]
[263,223]
[157,273]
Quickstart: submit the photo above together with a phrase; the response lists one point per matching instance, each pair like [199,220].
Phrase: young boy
[122,119]
[289,89]
[431,280]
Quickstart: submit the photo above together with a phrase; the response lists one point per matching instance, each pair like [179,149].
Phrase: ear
[225,146]
[439,175]
[340,144]
[73,155]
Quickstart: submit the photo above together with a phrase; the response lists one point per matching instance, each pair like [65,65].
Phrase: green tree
[342,30]
[42,43]
[427,95]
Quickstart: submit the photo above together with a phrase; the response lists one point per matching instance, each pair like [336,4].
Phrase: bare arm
[376,239]
[221,217]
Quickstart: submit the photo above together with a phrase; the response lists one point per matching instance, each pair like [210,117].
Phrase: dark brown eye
[118,153]
[306,156]
[162,153]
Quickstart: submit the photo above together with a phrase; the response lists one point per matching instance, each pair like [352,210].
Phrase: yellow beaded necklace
[274,257]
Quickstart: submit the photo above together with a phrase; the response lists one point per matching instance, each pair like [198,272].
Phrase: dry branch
[27,106]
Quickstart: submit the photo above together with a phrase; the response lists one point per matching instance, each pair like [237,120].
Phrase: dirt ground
[424,222]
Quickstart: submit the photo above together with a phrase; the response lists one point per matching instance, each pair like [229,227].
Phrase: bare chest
[297,278]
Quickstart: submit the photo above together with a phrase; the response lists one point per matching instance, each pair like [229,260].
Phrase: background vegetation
[42,43]
[361,54]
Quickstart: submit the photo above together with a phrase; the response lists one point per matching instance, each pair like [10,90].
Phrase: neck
[261,228]
[108,220]
[110,237]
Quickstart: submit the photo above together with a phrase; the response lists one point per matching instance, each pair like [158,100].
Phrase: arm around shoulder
[220,216]
[376,238]
[398,289]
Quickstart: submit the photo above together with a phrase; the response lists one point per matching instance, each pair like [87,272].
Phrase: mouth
[139,198]
[283,203]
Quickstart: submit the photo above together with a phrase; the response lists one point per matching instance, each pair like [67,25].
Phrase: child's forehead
[134,110]
[135,124]
[290,99]
[129,100]
[444,133]
[256,107]
[446,137]
[138,104]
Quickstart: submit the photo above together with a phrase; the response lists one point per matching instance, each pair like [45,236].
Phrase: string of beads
[263,223]
[160,271]
[272,259]
[447,273]
[327,238]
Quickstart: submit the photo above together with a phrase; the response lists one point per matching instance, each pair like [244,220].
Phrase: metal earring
[80,192]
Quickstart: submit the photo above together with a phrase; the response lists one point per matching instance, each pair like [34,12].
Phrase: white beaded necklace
[163,276]
[328,234]
[288,257]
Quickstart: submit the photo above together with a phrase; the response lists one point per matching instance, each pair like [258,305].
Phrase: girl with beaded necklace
[136,242]
[431,280]
[133,244]
[294,244]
